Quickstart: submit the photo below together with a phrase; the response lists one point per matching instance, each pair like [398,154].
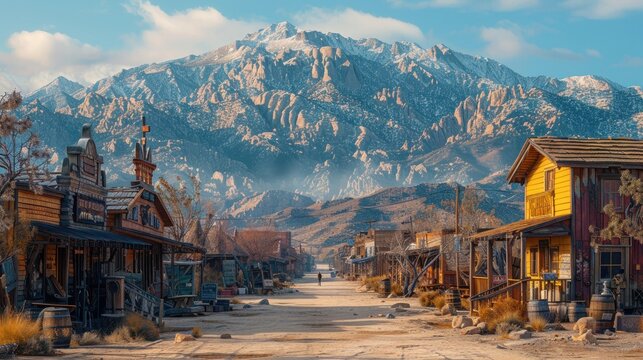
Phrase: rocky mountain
[326,116]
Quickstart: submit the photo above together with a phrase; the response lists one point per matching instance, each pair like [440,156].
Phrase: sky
[88,40]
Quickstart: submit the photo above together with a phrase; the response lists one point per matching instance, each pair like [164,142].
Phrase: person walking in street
[319,276]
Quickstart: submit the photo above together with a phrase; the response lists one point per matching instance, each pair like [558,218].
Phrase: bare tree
[23,157]
[183,202]
[630,223]
[473,217]
[258,244]
[413,263]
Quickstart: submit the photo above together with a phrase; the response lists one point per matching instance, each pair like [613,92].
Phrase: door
[611,261]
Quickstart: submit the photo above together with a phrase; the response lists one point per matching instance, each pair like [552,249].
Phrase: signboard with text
[89,210]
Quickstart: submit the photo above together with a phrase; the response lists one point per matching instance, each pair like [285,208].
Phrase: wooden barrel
[558,312]
[538,309]
[603,310]
[576,310]
[452,296]
[56,326]
[386,286]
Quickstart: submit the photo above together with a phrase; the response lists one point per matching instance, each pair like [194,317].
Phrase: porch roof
[89,237]
[363,260]
[523,226]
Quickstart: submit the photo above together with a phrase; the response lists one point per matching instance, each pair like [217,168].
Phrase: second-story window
[133,214]
[610,193]
[549,180]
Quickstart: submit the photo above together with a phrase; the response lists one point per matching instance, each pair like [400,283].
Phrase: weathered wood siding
[535,184]
[45,208]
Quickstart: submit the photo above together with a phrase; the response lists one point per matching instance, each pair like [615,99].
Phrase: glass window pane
[605,258]
[605,273]
[616,258]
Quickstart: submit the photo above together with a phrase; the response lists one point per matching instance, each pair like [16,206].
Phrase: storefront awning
[363,260]
[90,237]
[549,225]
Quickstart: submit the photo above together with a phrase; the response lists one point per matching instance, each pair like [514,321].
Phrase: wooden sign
[565,267]
[88,210]
[209,292]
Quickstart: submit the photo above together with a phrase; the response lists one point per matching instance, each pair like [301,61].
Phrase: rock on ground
[179,338]
[448,309]
[461,321]
[264,302]
[476,320]
[226,336]
[471,330]
[584,324]
[587,338]
[392,296]
[400,309]
[390,316]
[401,305]
[520,334]
[247,306]
[482,326]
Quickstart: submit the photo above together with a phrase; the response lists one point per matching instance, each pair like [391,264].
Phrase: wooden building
[552,254]
[452,267]
[138,212]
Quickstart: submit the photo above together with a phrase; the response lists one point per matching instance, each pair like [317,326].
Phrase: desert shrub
[504,310]
[373,283]
[538,323]
[426,298]
[235,301]
[397,289]
[141,328]
[120,335]
[465,303]
[17,328]
[35,346]
[75,341]
[197,332]
[90,338]
[504,328]
[439,301]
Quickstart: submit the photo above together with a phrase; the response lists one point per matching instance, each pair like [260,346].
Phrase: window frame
[549,181]
[609,196]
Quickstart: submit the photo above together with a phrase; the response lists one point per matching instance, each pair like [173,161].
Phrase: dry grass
[235,301]
[373,283]
[426,298]
[465,303]
[35,346]
[504,328]
[90,338]
[397,289]
[141,328]
[504,310]
[439,301]
[538,323]
[197,332]
[17,328]
[119,336]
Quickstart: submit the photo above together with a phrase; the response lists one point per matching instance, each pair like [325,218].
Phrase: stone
[390,316]
[501,347]
[400,309]
[179,338]
[584,324]
[226,336]
[392,296]
[520,334]
[476,320]
[554,327]
[401,305]
[247,306]
[380,315]
[461,321]
[482,326]
[587,338]
[471,330]
[448,309]
[264,302]
[609,333]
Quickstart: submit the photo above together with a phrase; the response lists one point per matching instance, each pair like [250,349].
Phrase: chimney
[143,166]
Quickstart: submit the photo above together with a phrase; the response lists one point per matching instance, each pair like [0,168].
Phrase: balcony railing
[540,204]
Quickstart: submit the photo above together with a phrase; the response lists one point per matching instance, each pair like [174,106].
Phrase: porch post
[489,266]
[472,254]
[523,271]
[508,263]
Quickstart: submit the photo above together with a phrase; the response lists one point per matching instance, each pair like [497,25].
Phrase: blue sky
[88,40]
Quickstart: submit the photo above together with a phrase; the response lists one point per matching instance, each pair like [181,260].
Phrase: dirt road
[335,321]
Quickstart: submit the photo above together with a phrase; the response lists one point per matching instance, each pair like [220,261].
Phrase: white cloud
[593,53]
[34,58]
[603,9]
[357,24]
[508,42]
[495,5]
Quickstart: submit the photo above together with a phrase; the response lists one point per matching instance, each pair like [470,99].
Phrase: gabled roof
[595,153]
[120,199]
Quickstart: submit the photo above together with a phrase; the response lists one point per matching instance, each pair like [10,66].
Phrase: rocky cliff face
[327,116]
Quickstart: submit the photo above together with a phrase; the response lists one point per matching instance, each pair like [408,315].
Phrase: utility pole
[456,235]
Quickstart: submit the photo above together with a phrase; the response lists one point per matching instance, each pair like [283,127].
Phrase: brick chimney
[143,166]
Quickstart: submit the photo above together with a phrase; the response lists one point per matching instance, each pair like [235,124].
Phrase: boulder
[448,309]
[587,337]
[390,316]
[520,334]
[401,305]
[400,309]
[554,327]
[264,302]
[392,296]
[471,330]
[226,336]
[584,324]
[247,306]
[482,326]
[609,333]
[476,320]
[179,338]
[461,321]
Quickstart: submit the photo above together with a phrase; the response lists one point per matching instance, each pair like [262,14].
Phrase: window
[533,261]
[611,263]
[554,260]
[611,194]
[549,180]
[133,214]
